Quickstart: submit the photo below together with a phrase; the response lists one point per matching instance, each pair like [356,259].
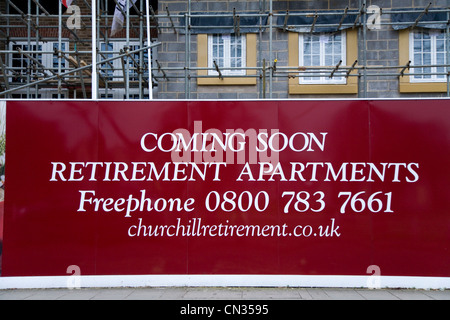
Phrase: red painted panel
[415,239]
[356,183]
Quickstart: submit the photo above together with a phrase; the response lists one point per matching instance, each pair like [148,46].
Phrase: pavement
[213,293]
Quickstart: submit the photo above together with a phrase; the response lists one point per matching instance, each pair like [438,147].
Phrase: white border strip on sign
[229,280]
[223,281]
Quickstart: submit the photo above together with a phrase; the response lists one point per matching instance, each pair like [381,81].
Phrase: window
[106,96]
[37,61]
[135,96]
[318,50]
[46,93]
[323,50]
[135,67]
[56,96]
[228,51]
[113,71]
[423,48]
[428,48]
[23,65]
[107,69]
[25,96]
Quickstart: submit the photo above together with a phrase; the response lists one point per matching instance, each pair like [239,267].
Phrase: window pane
[106,68]
[417,45]
[338,48]
[321,50]
[56,59]
[307,48]
[440,45]
[441,55]
[235,52]
[316,60]
[418,59]
[426,45]
[440,58]
[218,51]
[329,59]
[307,60]
[316,46]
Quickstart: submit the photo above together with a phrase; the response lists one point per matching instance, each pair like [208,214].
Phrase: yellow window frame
[405,84]
[351,87]
[202,62]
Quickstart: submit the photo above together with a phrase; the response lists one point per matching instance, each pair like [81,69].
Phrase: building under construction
[224,49]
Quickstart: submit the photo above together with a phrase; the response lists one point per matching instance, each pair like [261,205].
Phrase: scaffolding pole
[86,67]
[149,52]
[94,50]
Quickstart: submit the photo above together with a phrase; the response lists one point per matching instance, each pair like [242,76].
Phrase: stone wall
[380,49]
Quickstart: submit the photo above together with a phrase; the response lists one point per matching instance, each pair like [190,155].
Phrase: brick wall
[16,29]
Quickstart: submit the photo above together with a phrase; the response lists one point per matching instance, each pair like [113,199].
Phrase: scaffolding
[86,63]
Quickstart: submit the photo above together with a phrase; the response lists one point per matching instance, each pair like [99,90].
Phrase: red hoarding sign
[228,187]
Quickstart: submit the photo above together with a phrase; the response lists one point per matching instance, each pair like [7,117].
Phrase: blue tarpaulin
[224,23]
[306,21]
[320,21]
[439,20]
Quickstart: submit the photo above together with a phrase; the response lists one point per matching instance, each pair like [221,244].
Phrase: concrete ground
[203,293]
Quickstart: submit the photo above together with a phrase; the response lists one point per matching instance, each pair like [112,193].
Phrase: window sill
[352,82]
[349,88]
[417,87]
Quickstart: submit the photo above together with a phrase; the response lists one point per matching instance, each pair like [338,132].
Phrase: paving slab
[16,294]
[411,294]
[438,294]
[213,294]
[50,294]
[113,294]
[343,294]
[304,294]
[207,293]
[381,294]
[173,294]
[318,294]
[79,294]
[270,294]
[146,294]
